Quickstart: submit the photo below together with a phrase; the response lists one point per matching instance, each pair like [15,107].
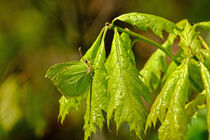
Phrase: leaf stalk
[145,39]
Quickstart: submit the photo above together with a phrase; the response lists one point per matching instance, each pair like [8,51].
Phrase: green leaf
[191,45]
[197,128]
[151,72]
[80,79]
[205,54]
[195,73]
[67,103]
[189,41]
[98,98]
[128,45]
[205,25]
[171,68]
[205,74]
[168,44]
[92,51]
[125,88]
[162,101]
[143,21]
[193,105]
[71,78]
[175,124]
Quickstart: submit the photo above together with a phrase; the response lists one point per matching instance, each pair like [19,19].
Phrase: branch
[145,39]
[140,37]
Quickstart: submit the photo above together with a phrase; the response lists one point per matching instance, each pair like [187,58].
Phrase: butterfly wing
[71,78]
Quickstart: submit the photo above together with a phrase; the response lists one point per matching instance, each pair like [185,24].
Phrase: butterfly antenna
[80,53]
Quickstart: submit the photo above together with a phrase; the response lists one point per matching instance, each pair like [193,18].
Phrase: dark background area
[35,34]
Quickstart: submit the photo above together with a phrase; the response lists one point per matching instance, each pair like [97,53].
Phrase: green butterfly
[71,78]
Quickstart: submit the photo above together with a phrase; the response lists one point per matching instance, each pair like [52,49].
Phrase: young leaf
[203,25]
[175,124]
[191,45]
[128,45]
[171,68]
[143,21]
[151,73]
[205,54]
[71,78]
[98,98]
[197,127]
[195,73]
[206,81]
[92,51]
[192,106]
[125,88]
[78,71]
[189,41]
[162,101]
[66,103]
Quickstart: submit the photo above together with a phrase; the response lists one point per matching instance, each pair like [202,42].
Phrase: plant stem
[140,37]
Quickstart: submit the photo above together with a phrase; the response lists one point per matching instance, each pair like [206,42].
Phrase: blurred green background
[35,34]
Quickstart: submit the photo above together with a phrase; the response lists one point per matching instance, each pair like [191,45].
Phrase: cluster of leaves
[115,86]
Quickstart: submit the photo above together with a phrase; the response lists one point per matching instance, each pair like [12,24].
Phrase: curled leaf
[151,73]
[189,41]
[175,124]
[162,101]
[192,106]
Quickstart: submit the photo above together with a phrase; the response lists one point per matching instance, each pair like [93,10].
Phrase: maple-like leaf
[125,88]
[98,98]
[175,124]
